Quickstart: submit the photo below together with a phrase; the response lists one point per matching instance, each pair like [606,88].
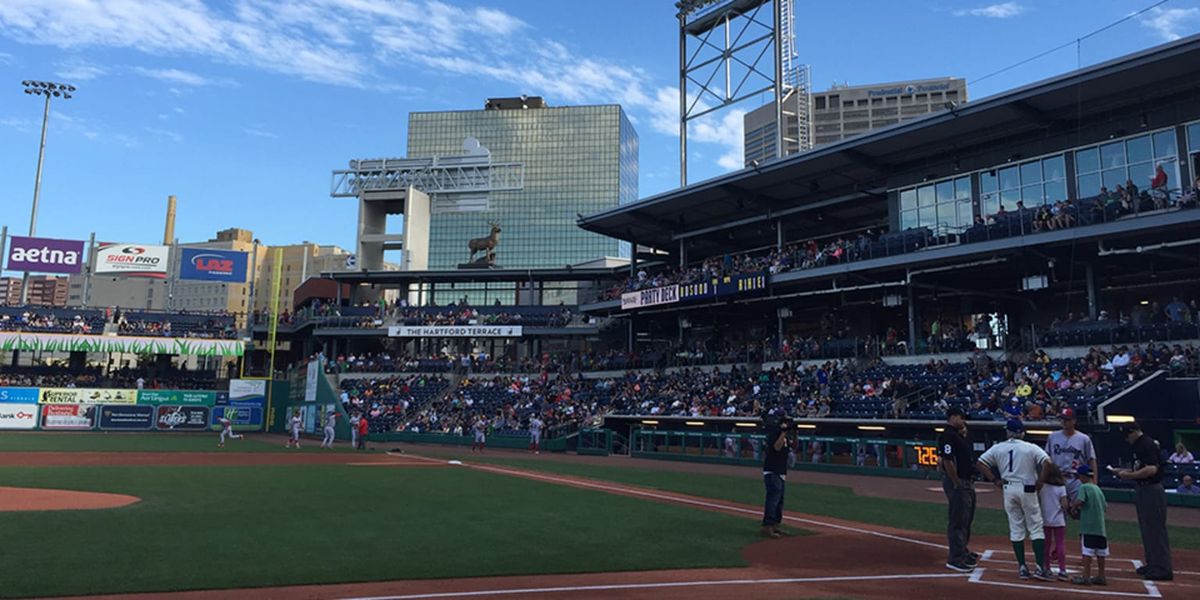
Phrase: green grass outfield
[221,527]
[151,442]
[818,499]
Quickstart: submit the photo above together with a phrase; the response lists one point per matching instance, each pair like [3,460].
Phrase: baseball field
[174,516]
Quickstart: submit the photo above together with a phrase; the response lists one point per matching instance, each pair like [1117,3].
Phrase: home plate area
[996,571]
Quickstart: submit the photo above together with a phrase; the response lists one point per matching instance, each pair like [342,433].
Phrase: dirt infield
[840,558]
[13,499]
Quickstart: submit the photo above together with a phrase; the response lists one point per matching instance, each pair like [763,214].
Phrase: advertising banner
[138,260]
[66,342]
[202,264]
[177,397]
[243,417]
[456,331]
[18,395]
[651,297]
[18,416]
[86,396]
[310,380]
[131,417]
[244,404]
[696,291]
[45,255]
[76,417]
[741,284]
[181,418]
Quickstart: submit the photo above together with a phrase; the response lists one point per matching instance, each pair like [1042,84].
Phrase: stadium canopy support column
[779,234]
[912,323]
[1090,273]
[683,253]
[629,338]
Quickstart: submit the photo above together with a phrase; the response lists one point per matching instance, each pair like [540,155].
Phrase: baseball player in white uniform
[354,418]
[480,429]
[294,427]
[330,421]
[535,434]
[226,431]
[1015,465]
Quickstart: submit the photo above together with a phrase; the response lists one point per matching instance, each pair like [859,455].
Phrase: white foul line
[668,584]
[1151,590]
[682,500]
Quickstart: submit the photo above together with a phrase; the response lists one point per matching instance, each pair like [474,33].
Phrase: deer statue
[486,244]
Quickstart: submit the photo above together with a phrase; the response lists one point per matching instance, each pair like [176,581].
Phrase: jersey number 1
[1010,461]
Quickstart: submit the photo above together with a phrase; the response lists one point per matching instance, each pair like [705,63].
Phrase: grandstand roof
[858,167]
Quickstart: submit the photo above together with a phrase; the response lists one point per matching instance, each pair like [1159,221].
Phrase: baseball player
[294,427]
[535,434]
[480,429]
[226,431]
[1070,448]
[330,421]
[354,418]
[1015,465]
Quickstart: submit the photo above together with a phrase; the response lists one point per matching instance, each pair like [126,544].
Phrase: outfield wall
[131,410]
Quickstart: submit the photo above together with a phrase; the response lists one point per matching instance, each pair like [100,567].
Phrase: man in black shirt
[1151,501]
[958,473]
[775,464]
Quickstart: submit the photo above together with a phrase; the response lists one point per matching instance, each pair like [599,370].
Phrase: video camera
[777,422]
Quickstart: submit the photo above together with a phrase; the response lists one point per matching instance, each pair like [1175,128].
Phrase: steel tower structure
[726,62]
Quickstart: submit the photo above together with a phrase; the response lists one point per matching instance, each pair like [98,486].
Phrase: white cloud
[1172,23]
[257,132]
[7,59]
[174,136]
[76,70]
[372,44]
[181,77]
[1004,10]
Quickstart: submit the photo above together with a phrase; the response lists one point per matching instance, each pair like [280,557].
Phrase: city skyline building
[844,111]
[577,160]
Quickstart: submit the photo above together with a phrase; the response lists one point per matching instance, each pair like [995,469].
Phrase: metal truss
[455,175]
[748,34]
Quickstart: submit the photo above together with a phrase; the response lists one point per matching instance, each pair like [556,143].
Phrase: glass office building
[578,160]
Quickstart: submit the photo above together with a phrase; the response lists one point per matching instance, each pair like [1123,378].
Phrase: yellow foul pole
[272,327]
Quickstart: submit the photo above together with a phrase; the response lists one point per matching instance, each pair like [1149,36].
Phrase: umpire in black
[958,475]
[775,465]
[1151,502]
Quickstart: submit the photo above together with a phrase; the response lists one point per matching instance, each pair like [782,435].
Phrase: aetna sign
[45,255]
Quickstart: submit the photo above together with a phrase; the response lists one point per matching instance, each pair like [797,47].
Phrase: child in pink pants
[1054,503]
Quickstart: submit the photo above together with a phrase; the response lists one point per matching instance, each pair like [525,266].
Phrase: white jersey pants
[1024,513]
[328,441]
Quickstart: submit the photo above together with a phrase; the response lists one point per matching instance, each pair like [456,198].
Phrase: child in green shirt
[1089,505]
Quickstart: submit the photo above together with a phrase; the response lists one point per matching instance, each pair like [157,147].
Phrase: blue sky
[242,107]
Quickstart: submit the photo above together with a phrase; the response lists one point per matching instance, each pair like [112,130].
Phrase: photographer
[775,465]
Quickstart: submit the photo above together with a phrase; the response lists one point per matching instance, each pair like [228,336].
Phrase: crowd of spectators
[138,323]
[58,376]
[1109,205]
[33,320]
[1030,387]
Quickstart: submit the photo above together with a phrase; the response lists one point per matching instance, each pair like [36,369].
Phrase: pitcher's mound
[14,499]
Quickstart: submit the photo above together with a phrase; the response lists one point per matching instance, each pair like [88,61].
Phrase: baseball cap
[1067,413]
[1015,426]
[1083,469]
[955,412]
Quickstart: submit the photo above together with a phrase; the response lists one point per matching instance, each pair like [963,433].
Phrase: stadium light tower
[48,90]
